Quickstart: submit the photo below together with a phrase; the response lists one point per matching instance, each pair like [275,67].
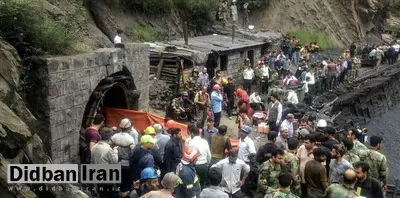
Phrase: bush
[142,32]
[323,40]
[27,27]
[150,7]
[200,13]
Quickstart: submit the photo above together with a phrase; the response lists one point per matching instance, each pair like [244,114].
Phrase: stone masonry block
[53,104]
[66,64]
[55,90]
[94,80]
[57,132]
[84,84]
[80,98]
[78,62]
[66,101]
[53,65]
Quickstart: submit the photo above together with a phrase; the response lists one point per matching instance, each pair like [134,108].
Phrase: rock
[10,64]
[52,9]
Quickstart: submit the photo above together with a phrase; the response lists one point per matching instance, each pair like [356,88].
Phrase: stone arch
[117,90]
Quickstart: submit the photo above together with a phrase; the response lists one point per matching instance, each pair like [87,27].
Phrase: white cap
[322,123]
[125,123]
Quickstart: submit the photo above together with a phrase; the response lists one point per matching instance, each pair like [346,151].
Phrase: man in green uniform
[343,190]
[377,161]
[351,154]
[269,172]
[355,135]
[285,181]
[291,164]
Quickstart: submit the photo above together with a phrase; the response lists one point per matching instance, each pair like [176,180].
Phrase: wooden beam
[159,69]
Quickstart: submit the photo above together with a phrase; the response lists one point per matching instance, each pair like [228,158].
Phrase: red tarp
[141,120]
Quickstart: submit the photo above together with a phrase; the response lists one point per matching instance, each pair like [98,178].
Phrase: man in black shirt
[264,152]
[366,186]
[329,133]
[229,91]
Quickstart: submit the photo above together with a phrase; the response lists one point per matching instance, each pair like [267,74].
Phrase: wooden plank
[159,69]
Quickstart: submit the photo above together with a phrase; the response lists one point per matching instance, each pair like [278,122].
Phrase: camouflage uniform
[351,156]
[268,178]
[339,190]
[359,146]
[292,166]
[378,167]
[281,194]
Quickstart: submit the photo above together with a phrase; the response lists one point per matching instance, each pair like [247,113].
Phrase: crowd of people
[303,157]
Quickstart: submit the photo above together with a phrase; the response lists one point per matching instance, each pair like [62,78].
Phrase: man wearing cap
[321,124]
[154,150]
[142,157]
[231,168]
[247,152]
[126,126]
[169,183]
[148,181]
[173,151]
[189,186]
[102,153]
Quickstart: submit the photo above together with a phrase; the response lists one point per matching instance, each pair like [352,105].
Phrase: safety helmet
[217,87]
[224,81]
[184,93]
[125,123]
[148,173]
[150,131]
[190,154]
[322,123]
[170,124]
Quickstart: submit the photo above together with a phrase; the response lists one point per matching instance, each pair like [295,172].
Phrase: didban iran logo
[63,173]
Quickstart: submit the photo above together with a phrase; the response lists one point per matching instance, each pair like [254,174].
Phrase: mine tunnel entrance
[116,91]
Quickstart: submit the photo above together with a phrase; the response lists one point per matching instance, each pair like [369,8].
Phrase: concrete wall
[236,61]
[72,80]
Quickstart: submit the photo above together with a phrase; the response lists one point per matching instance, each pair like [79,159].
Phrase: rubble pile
[160,95]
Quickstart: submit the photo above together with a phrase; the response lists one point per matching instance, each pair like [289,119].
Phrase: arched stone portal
[60,92]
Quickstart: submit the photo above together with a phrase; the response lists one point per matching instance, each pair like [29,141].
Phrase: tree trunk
[185,30]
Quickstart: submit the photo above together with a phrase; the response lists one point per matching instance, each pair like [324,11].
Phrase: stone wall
[71,81]
[236,61]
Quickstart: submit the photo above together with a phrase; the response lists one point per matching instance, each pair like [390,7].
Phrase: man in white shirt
[248,75]
[292,97]
[288,123]
[117,38]
[205,156]
[231,168]
[264,70]
[246,145]
[256,102]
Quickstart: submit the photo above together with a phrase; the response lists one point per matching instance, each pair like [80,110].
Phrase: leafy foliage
[141,32]
[27,27]
[253,4]
[306,36]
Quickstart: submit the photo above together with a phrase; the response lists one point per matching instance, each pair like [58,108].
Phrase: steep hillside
[344,20]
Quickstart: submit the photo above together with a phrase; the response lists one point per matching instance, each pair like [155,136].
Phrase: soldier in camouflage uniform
[291,164]
[285,183]
[269,172]
[351,154]
[345,190]
[355,135]
[377,161]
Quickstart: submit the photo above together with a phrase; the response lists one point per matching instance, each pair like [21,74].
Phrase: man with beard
[264,152]
[281,140]
[338,165]
[305,154]
[315,175]
[366,186]
[173,151]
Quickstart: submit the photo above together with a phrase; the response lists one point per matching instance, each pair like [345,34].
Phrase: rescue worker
[169,183]
[355,135]
[142,157]
[189,186]
[173,151]
[366,186]
[285,184]
[148,181]
[343,190]
[376,160]
[269,172]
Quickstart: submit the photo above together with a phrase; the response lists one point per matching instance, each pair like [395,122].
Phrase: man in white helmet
[321,124]
[126,126]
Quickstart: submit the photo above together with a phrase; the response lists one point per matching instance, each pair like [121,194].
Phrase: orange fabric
[140,120]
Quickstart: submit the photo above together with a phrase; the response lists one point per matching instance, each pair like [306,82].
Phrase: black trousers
[247,85]
[230,106]
[202,172]
[217,119]
[273,126]
[303,190]
[264,86]
[126,179]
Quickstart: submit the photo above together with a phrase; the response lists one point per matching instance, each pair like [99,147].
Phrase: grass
[323,40]
[143,33]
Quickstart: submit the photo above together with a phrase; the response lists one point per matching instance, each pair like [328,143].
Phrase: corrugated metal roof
[216,42]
